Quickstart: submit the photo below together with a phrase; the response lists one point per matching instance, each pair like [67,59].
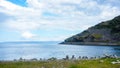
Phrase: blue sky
[22,3]
[52,20]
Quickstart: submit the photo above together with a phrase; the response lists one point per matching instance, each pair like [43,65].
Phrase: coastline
[91,43]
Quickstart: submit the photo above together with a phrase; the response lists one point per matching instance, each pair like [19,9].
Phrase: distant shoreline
[91,43]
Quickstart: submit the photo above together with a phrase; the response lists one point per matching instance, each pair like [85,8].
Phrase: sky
[52,20]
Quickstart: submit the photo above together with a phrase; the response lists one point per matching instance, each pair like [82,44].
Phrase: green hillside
[107,32]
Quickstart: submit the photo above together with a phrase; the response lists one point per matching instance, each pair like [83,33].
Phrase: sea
[48,49]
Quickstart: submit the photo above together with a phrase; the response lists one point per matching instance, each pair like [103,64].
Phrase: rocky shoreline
[73,57]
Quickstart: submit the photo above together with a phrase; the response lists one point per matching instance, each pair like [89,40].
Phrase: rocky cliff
[106,33]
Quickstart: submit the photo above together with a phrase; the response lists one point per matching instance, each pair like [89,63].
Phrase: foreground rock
[104,33]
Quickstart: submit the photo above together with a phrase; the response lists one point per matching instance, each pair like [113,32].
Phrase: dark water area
[45,50]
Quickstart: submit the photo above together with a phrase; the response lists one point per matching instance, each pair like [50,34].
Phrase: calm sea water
[29,50]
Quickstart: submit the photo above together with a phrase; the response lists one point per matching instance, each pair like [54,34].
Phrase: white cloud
[109,12]
[28,35]
[71,15]
[35,4]
[21,25]
[18,11]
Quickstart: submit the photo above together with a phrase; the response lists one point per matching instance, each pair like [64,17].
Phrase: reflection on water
[10,51]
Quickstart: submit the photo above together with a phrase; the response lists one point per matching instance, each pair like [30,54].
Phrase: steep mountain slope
[106,33]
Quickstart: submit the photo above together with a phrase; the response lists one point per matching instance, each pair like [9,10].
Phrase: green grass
[106,63]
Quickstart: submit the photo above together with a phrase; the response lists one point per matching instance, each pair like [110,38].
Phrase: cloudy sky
[52,20]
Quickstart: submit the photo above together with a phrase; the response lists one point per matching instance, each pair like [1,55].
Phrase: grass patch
[106,63]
